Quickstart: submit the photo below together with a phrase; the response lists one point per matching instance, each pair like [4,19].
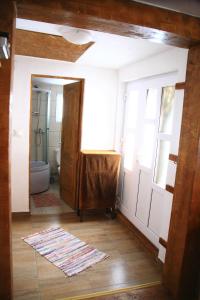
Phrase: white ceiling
[189,7]
[54,81]
[109,50]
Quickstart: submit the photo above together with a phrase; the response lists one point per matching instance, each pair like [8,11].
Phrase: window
[166,114]
[162,162]
[164,135]
[59,108]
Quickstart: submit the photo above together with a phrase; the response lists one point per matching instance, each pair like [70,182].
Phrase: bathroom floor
[50,210]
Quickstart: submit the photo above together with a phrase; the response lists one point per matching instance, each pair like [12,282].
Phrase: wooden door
[70,142]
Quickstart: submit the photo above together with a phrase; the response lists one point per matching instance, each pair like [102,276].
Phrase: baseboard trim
[17,214]
[113,292]
[149,245]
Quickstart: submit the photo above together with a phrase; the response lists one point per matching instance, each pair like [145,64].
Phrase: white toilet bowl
[58,157]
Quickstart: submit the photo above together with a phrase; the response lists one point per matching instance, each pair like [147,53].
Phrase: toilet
[58,157]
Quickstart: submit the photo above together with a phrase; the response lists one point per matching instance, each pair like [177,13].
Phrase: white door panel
[155,212]
[148,117]
[143,199]
[130,189]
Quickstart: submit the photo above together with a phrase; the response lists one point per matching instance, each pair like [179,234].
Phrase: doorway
[149,130]
[55,140]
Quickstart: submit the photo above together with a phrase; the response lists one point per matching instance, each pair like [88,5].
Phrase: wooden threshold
[151,247]
[112,292]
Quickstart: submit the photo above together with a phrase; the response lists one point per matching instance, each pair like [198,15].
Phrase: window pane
[151,104]
[162,162]
[59,108]
[147,149]
[166,114]
[129,145]
[132,109]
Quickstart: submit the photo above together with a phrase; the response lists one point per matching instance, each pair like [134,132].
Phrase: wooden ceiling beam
[49,46]
[123,17]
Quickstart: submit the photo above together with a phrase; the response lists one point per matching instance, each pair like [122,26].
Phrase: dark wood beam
[180,86]
[122,17]
[182,265]
[163,242]
[43,45]
[7,20]
[173,157]
[169,188]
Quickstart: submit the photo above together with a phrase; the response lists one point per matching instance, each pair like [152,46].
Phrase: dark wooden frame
[129,18]
[7,24]
[80,118]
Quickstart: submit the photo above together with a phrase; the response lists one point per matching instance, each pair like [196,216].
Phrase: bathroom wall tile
[42,122]
[53,92]
[37,153]
[34,122]
[43,107]
[44,96]
[53,108]
[52,154]
[52,159]
[59,89]
[33,152]
[34,105]
[54,139]
[53,125]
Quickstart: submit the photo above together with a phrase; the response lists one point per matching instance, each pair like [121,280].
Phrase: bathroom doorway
[55,141]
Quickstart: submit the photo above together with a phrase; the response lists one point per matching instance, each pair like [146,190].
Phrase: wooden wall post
[7,13]
[182,267]
[129,18]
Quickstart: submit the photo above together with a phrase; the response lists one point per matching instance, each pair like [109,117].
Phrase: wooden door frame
[131,19]
[80,119]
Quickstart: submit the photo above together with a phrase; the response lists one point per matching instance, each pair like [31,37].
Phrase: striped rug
[64,250]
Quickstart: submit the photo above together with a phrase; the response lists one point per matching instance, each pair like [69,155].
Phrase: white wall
[98,115]
[174,60]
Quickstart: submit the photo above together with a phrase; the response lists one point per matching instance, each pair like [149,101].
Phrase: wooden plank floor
[35,278]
